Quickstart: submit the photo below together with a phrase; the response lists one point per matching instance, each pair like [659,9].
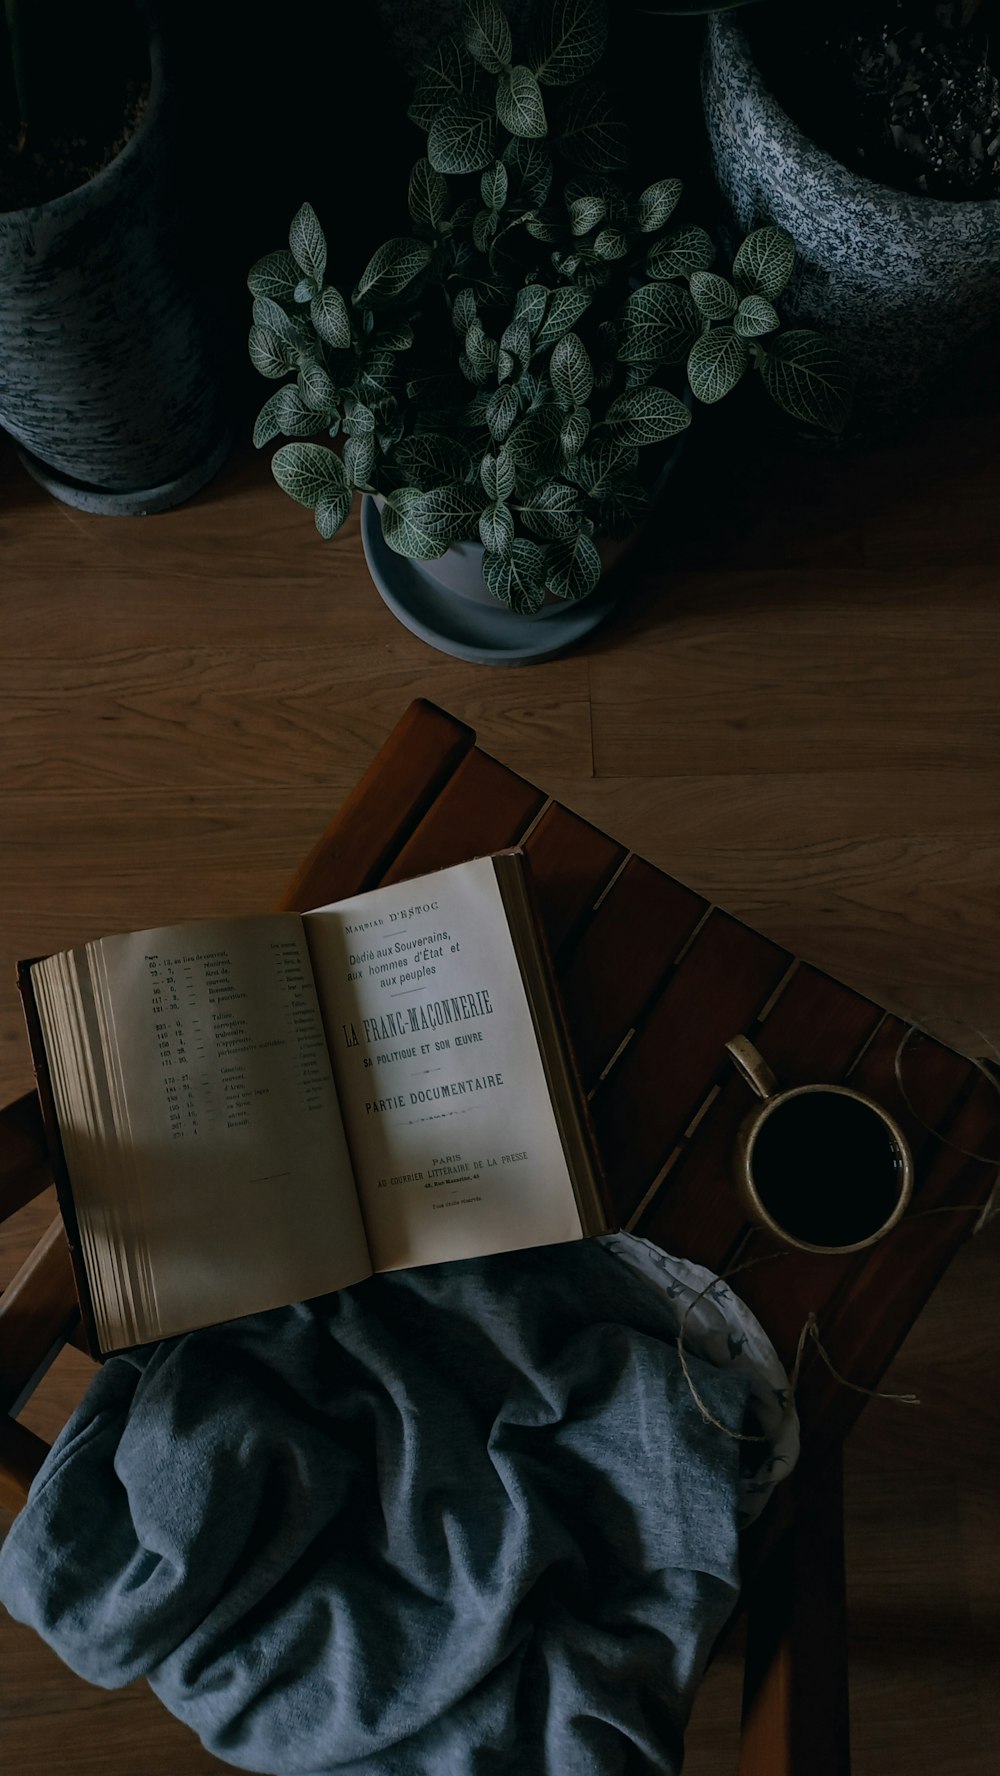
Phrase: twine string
[985,1213]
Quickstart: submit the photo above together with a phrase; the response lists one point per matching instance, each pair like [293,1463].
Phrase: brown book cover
[60,1175]
[612,1222]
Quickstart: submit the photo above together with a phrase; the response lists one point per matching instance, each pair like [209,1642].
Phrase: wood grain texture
[185,700]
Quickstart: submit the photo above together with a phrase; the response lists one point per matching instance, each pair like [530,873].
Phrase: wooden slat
[571,861]
[483,807]
[37,1309]
[653,1091]
[813,1031]
[24,1156]
[21,1456]
[795,1694]
[621,957]
[785,1292]
[379,815]
[873,1313]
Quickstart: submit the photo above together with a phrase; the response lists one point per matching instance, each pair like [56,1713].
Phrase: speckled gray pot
[903,281]
[107,358]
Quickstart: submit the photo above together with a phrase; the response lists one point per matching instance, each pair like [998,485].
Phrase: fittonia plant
[506,372]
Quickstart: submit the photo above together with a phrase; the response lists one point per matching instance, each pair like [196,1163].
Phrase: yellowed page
[455,1146]
[240,1187]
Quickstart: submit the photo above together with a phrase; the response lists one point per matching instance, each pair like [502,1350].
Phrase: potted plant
[509,380]
[872,133]
[107,350]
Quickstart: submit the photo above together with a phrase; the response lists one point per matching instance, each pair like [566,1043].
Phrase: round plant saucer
[481,632]
[138,503]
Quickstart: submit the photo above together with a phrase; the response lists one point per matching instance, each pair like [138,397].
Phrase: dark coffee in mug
[826,1168]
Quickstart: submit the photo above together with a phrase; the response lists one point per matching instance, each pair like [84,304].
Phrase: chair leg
[21,1456]
[795,1696]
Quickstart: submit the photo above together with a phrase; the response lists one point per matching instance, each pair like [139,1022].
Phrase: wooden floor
[797,713]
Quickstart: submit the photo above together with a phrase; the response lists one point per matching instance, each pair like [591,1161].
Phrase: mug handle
[750,1063]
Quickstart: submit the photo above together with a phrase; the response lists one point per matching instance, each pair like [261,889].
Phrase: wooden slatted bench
[654,981]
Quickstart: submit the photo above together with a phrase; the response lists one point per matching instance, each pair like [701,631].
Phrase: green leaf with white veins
[516,339]
[360,421]
[316,388]
[564,310]
[573,35]
[481,350]
[464,312]
[609,463]
[331,513]
[461,139]
[493,186]
[276,275]
[496,529]
[575,431]
[430,459]
[680,253]
[807,376]
[586,213]
[755,317]
[328,312]
[395,339]
[569,370]
[765,262]
[427,195]
[288,327]
[424,525]
[517,580]
[519,103]
[531,164]
[309,473]
[390,269]
[610,244]
[552,510]
[484,229]
[272,356]
[487,35]
[533,441]
[573,567]
[359,460]
[658,325]
[657,204]
[502,410]
[497,475]
[308,243]
[715,296]
[286,412]
[529,305]
[542,225]
[647,416]
[716,363]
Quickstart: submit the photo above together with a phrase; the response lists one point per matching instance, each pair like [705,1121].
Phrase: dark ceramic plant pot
[902,281]
[108,354]
[447,604]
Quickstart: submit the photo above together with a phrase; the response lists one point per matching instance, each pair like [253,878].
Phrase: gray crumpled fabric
[458,1521]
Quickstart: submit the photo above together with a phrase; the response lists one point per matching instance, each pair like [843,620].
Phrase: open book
[249,1112]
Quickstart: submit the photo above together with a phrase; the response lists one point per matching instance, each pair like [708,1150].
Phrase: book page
[455,1145]
[240,1187]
